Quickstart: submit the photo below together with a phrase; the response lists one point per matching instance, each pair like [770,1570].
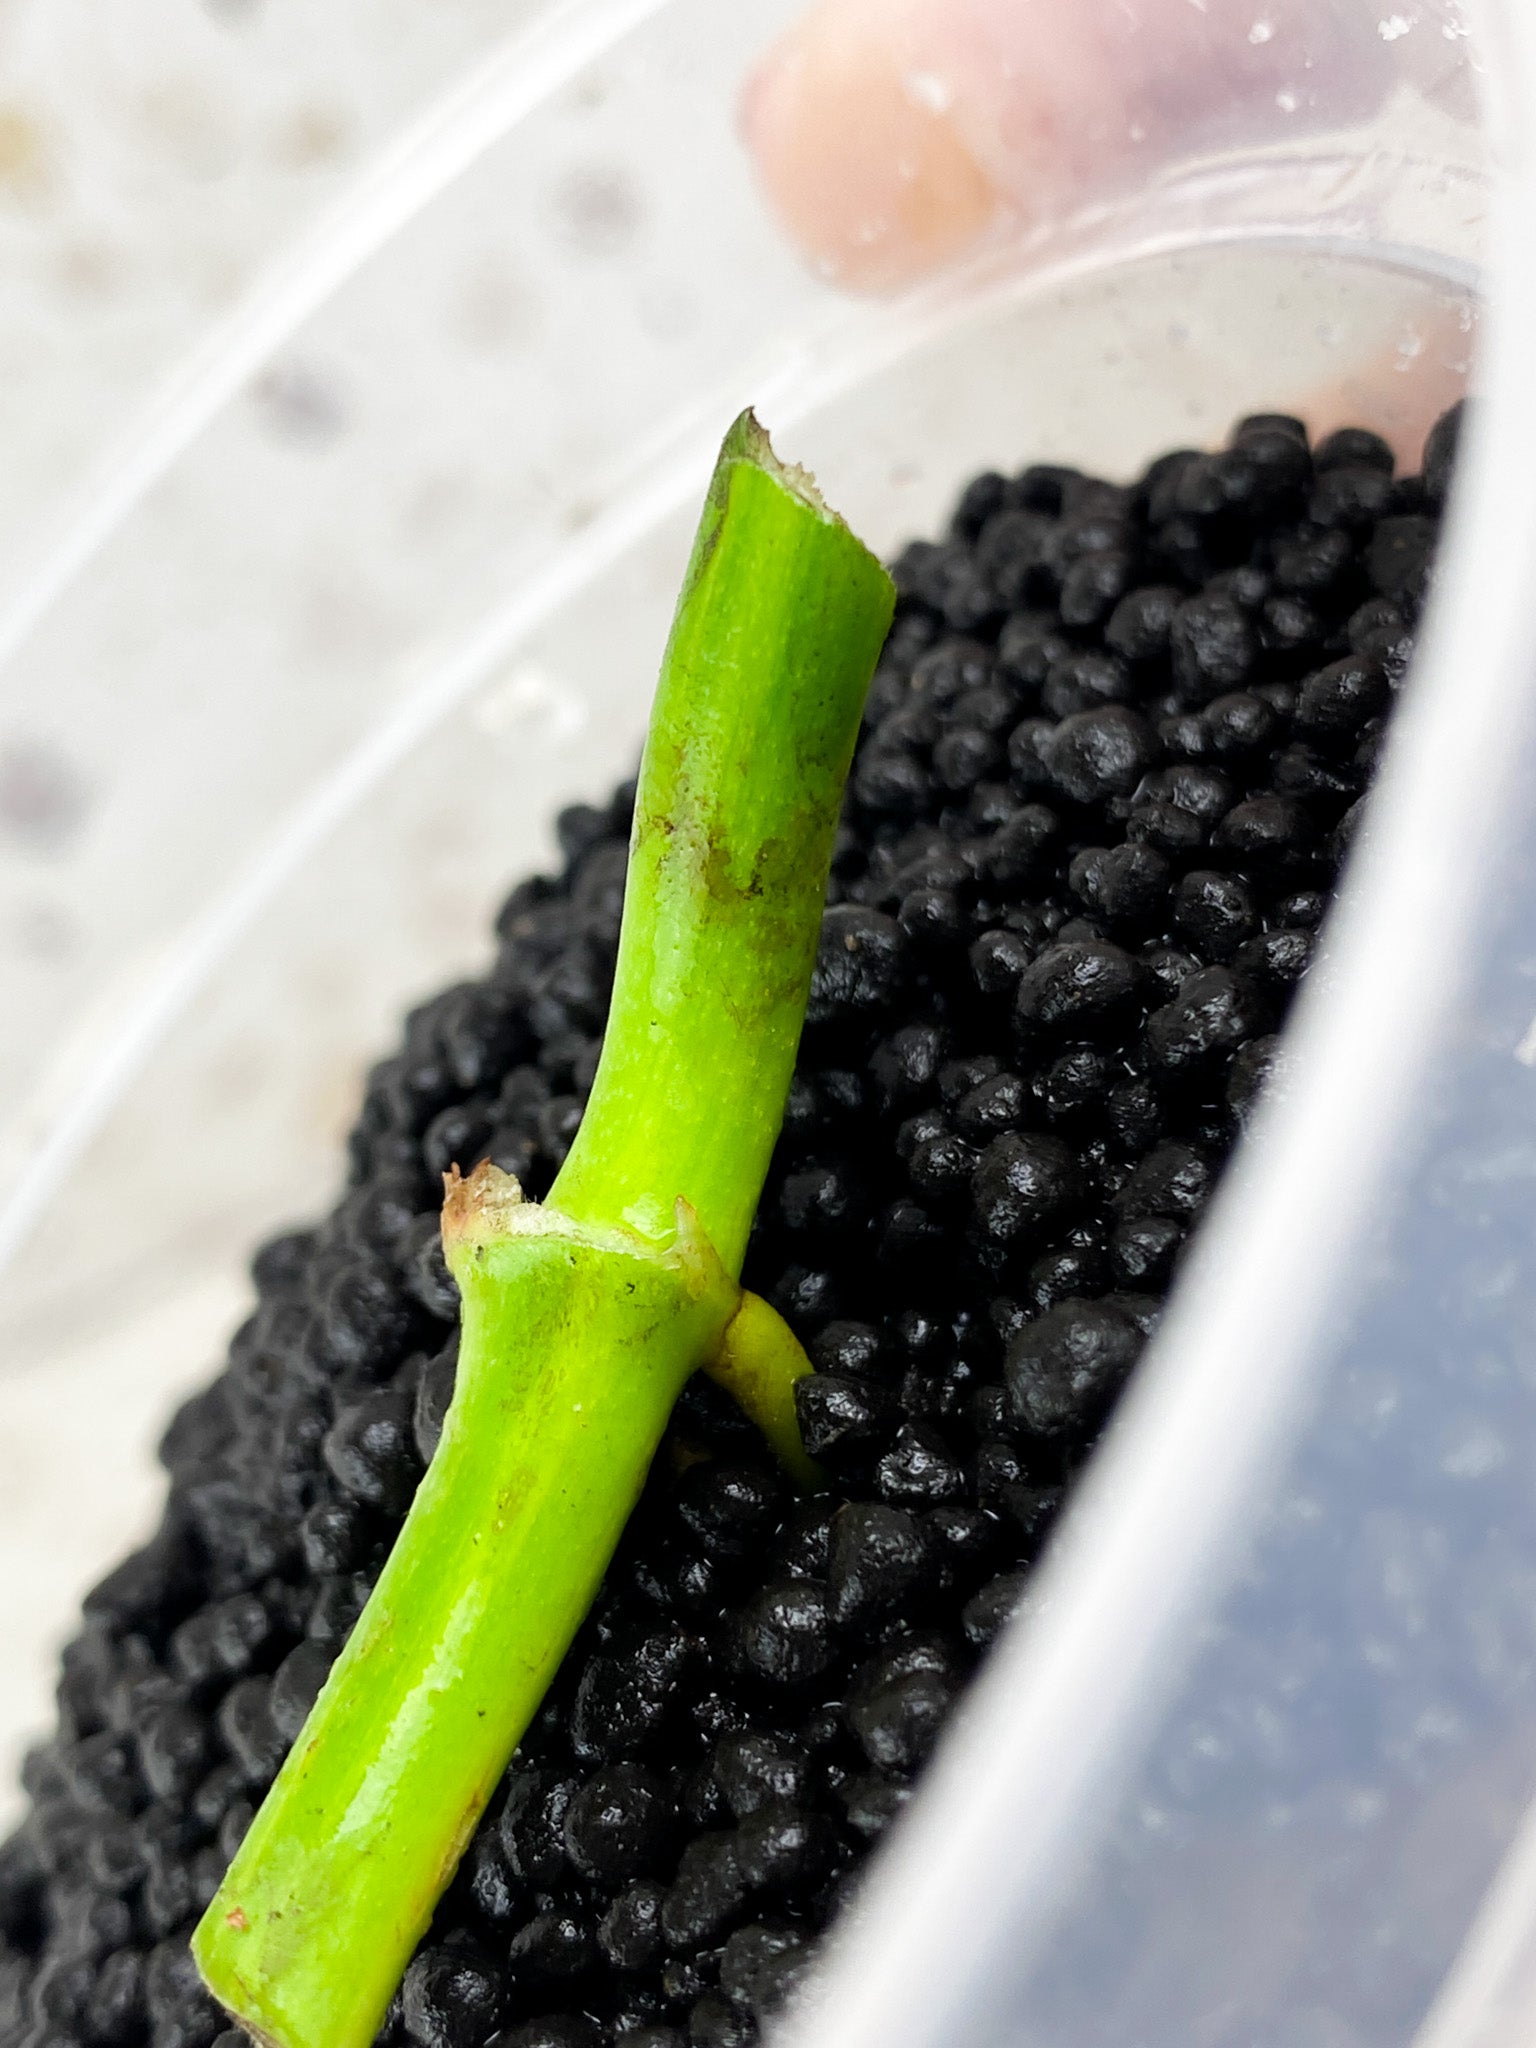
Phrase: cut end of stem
[747,440]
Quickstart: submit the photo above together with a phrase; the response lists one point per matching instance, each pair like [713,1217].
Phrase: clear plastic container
[384,580]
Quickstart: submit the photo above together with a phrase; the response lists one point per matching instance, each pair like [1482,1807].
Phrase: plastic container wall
[1258,1765]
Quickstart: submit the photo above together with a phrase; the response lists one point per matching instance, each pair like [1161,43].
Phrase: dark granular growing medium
[1112,755]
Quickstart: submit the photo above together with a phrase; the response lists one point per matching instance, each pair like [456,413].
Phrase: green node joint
[540,1466]
[582,1319]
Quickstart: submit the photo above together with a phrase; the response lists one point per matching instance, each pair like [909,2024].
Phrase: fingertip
[888,135]
[856,152]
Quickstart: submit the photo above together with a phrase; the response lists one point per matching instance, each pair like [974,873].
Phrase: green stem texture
[582,1319]
[780,621]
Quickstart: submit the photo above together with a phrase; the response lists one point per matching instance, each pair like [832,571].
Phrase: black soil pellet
[1111,758]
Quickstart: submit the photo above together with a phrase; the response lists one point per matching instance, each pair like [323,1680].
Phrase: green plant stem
[778,627]
[583,1319]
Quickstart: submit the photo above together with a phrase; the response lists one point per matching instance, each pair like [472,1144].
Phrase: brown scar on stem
[482,1197]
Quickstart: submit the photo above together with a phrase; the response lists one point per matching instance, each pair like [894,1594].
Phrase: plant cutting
[584,1316]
